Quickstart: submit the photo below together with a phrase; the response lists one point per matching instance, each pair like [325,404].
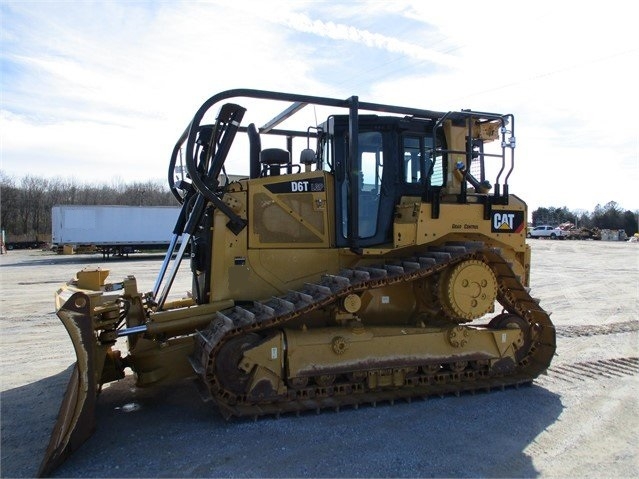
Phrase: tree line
[610,216]
[25,203]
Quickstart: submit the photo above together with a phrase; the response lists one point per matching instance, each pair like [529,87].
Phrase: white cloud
[339,31]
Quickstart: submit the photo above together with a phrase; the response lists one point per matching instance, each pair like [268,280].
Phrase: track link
[277,311]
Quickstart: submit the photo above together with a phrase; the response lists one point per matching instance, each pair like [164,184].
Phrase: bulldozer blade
[76,418]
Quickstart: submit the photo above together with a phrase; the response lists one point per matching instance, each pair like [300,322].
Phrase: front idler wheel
[512,321]
[227,363]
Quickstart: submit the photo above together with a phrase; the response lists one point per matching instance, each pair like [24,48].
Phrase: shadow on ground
[170,432]
[26,420]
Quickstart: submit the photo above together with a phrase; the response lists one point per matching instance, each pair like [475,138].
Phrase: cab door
[374,188]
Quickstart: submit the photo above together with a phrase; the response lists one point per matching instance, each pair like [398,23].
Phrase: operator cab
[395,159]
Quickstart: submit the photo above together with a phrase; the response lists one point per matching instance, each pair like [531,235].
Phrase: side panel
[244,274]
[287,269]
[286,243]
[290,211]
[505,229]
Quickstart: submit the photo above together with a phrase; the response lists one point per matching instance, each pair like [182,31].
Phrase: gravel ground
[579,420]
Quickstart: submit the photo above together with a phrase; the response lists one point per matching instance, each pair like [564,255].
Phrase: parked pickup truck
[545,231]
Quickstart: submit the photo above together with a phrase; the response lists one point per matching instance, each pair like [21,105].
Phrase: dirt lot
[582,419]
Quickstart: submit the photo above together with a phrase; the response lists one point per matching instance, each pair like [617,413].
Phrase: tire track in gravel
[597,330]
[613,368]
[583,371]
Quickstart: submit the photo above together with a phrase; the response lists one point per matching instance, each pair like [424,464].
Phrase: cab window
[418,161]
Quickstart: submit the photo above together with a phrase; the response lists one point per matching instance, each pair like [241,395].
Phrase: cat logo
[507,221]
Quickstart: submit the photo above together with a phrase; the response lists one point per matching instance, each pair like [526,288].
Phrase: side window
[368,194]
[372,161]
[437,178]
[325,148]
[412,159]
[418,161]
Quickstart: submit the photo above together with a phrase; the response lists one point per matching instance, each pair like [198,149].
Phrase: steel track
[276,312]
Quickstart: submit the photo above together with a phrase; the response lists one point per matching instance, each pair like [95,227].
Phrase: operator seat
[265,162]
[273,159]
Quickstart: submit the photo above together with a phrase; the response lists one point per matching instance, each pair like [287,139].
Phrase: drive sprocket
[468,290]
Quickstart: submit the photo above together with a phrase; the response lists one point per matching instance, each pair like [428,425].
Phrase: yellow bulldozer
[387,261]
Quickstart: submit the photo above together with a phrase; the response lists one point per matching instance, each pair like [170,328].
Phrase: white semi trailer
[114,230]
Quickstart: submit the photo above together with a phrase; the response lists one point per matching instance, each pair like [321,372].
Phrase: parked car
[546,231]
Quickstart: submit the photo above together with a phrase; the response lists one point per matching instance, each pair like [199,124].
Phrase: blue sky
[100,91]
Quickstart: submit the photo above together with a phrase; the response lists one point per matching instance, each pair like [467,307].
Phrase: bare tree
[25,204]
